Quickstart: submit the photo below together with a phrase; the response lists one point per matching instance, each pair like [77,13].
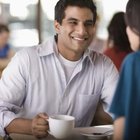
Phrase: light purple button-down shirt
[35,82]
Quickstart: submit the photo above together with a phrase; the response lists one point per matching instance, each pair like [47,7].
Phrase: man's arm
[37,126]
[110,79]
[101,117]
[20,125]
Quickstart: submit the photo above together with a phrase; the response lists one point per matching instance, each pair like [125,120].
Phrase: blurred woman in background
[118,45]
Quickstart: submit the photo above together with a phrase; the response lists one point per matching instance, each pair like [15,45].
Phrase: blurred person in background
[126,102]
[5,49]
[118,45]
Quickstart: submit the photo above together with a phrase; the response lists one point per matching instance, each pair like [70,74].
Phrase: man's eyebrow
[74,19]
[69,19]
[89,21]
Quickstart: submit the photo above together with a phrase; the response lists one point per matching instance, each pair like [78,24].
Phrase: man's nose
[81,29]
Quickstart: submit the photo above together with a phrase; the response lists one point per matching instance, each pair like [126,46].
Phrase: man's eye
[73,22]
[89,24]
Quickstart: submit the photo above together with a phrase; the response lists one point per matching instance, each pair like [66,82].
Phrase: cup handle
[49,132]
[48,119]
[48,123]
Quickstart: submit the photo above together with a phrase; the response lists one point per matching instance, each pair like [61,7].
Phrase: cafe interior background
[31,21]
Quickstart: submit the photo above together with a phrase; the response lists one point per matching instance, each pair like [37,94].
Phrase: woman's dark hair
[133,15]
[63,4]
[117,32]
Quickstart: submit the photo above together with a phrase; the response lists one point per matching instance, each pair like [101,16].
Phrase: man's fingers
[40,131]
[42,128]
[43,115]
[42,121]
[40,125]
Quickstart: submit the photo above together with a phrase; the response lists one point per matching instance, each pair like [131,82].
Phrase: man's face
[76,31]
[4,36]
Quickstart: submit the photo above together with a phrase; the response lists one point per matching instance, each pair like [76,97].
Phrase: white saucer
[92,132]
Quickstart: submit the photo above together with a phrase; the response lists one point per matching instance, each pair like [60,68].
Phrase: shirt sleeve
[109,85]
[12,90]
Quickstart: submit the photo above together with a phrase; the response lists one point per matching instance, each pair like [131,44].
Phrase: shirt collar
[88,54]
[50,47]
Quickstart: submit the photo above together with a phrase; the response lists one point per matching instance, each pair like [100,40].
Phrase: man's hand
[40,125]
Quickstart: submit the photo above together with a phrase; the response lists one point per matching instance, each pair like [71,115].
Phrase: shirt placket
[66,96]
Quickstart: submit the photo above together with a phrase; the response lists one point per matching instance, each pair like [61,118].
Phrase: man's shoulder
[98,56]
[101,61]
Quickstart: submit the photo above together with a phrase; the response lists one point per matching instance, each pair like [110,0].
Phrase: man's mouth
[80,39]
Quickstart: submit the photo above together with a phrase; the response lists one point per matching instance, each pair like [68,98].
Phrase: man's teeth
[80,39]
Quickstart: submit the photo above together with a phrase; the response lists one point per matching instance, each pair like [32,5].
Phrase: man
[61,76]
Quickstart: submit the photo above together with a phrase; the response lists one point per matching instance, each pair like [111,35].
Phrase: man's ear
[57,26]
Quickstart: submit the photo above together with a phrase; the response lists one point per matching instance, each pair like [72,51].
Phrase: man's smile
[79,38]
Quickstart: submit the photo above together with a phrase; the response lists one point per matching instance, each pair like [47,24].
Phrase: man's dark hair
[63,4]
[4,28]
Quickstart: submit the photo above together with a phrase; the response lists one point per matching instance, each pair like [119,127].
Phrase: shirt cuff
[8,117]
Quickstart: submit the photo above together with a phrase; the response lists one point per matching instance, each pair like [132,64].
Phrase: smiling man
[60,76]
[75,32]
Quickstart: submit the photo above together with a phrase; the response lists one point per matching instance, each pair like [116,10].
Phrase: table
[30,137]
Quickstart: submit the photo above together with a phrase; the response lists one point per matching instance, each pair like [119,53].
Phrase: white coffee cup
[61,126]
